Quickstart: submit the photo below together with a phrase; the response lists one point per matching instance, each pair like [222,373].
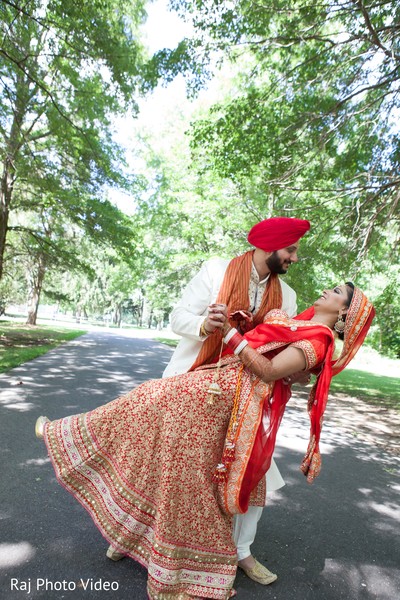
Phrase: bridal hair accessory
[340,324]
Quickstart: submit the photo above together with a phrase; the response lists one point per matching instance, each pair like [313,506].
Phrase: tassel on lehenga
[214,391]
[228,454]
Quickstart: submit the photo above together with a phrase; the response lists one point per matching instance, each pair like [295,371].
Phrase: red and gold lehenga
[144,465]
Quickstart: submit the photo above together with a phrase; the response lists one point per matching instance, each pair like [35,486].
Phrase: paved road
[337,539]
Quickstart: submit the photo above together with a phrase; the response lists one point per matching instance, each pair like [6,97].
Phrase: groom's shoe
[260,573]
[113,554]
[39,426]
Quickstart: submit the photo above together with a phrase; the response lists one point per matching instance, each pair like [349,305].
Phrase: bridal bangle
[240,347]
[230,334]
[235,341]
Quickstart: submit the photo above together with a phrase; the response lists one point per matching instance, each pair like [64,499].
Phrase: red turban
[277,233]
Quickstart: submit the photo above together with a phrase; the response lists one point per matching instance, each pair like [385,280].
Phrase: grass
[374,389]
[20,343]
[167,341]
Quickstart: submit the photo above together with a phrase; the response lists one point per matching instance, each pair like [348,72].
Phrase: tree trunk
[160,322]
[36,281]
[6,188]
[12,148]
[117,318]
[3,226]
[141,309]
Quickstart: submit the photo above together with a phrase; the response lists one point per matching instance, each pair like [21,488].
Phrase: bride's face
[333,301]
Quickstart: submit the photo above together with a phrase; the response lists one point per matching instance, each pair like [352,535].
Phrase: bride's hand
[301,377]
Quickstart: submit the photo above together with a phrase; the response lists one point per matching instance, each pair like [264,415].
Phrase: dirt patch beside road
[372,423]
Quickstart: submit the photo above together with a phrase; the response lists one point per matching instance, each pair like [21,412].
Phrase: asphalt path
[335,539]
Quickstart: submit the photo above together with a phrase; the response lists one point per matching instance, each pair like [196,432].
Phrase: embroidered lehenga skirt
[143,467]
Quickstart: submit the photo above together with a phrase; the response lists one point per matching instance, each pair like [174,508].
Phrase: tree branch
[374,36]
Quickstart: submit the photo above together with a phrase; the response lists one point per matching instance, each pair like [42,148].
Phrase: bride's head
[333,305]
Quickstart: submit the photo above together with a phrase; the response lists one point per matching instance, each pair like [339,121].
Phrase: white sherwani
[186,319]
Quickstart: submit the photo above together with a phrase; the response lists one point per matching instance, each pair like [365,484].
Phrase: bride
[163,469]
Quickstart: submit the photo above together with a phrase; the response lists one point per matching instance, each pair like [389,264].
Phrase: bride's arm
[289,361]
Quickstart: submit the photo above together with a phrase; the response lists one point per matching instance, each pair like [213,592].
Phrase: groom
[248,283]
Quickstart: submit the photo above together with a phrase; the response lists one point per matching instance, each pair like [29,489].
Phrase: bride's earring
[340,324]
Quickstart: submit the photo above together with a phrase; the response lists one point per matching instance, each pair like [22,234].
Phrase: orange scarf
[234,293]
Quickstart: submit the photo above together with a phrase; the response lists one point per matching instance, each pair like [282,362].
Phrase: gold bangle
[203,330]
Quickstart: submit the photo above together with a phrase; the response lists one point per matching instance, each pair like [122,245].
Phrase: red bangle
[235,341]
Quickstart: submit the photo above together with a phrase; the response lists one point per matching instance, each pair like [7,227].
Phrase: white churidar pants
[245,525]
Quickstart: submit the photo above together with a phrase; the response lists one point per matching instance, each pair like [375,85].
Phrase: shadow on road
[337,538]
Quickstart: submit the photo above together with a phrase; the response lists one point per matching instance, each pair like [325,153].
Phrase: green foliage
[388,307]
[312,117]
[375,389]
[100,290]
[66,68]
[166,64]
[308,127]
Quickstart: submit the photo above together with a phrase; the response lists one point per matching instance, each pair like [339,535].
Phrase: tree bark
[4,212]
[117,318]
[35,291]
[12,148]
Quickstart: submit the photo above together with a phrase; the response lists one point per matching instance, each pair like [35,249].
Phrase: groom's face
[280,260]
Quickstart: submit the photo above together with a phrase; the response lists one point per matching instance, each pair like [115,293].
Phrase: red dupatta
[358,321]
[277,332]
[318,342]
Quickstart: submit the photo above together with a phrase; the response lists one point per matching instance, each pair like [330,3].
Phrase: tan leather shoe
[260,573]
[39,426]
[113,554]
